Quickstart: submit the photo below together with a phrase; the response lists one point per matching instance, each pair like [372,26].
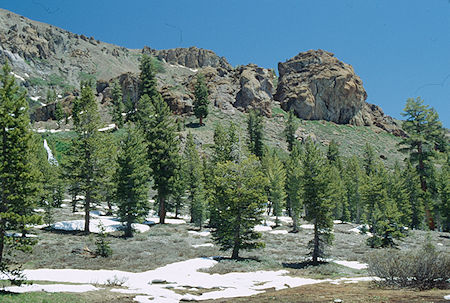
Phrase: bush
[424,268]
[103,248]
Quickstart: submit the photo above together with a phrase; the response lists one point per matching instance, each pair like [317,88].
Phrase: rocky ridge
[315,84]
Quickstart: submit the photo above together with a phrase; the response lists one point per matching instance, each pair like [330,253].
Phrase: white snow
[199,233]
[279,232]
[59,96]
[283,219]
[43,130]
[39,210]
[337,222]
[109,127]
[307,226]
[262,228]
[351,264]
[17,76]
[110,224]
[203,245]
[35,98]
[447,297]
[358,228]
[52,288]
[51,159]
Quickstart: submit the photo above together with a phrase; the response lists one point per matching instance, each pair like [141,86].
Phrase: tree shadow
[301,265]
[194,125]
[219,259]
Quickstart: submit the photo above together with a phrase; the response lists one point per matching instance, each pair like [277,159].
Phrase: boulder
[317,86]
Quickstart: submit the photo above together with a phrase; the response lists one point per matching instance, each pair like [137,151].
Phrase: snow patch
[19,235]
[155,220]
[51,159]
[110,224]
[307,226]
[109,127]
[351,264]
[35,98]
[203,245]
[262,228]
[447,297]
[17,76]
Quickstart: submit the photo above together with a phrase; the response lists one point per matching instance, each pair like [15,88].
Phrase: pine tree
[194,178]
[333,155]
[51,96]
[84,166]
[201,99]
[315,191]
[276,175]
[338,194]
[148,83]
[255,128]
[239,200]
[354,180]
[59,113]
[179,185]
[132,180]
[381,211]
[162,148]
[294,186]
[444,196]
[290,129]
[397,192]
[369,159]
[225,144]
[414,196]
[108,168]
[18,177]
[118,106]
[425,133]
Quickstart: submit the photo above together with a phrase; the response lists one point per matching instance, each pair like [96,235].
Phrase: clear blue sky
[399,48]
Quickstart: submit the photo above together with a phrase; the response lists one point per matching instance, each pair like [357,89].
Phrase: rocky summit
[314,84]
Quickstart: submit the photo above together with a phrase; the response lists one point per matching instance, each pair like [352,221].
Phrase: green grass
[40,297]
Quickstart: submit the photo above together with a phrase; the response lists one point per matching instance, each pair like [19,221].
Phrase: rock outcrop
[317,86]
[191,57]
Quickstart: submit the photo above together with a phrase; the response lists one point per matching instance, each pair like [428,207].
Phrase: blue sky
[399,48]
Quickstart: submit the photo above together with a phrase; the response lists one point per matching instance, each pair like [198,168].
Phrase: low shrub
[424,268]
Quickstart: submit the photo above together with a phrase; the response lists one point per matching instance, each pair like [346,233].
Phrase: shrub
[103,248]
[424,268]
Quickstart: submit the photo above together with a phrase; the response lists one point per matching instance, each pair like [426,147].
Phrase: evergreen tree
[18,177]
[239,199]
[369,160]
[59,113]
[179,185]
[397,192]
[162,148]
[338,194]
[290,129]
[425,133]
[381,211]
[354,180]
[276,175]
[333,155]
[194,180]
[255,128]
[444,196]
[414,196]
[51,96]
[84,166]
[118,106]
[108,168]
[148,83]
[225,144]
[294,186]
[132,180]
[201,99]
[315,191]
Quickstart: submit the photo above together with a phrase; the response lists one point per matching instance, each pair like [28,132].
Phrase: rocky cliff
[317,86]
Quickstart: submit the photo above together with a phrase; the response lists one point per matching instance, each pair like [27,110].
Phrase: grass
[37,297]
[362,292]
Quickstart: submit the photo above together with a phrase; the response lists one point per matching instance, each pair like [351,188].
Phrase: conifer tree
[294,185]
[194,179]
[397,192]
[315,191]
[108,168]
[414,196]
[425,133]
[148,83]
[338,194]
[162,148]
[201,99]
[354,180]
[333,155]
[276,175]
[444,196]
[239,200]
[290,129]
[118,105]
[18,177]
[369,160]
[59,113]
[225,144]
[255,128]
[132,180]
[179,185]
[51,96]
[84,166]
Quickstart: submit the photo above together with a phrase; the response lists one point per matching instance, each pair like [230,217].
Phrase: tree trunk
[162,209]
[87,209]
[294,223]
[128,230]
[201,120]
[424,187]
[2,239]
[316,244]
[109,212]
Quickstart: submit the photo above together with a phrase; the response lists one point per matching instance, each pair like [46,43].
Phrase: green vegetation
[201,99]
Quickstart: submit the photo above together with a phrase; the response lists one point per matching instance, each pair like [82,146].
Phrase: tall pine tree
[201,99]
[132,180]
[118,105]
[290,129]
[255,129]
[294,179]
